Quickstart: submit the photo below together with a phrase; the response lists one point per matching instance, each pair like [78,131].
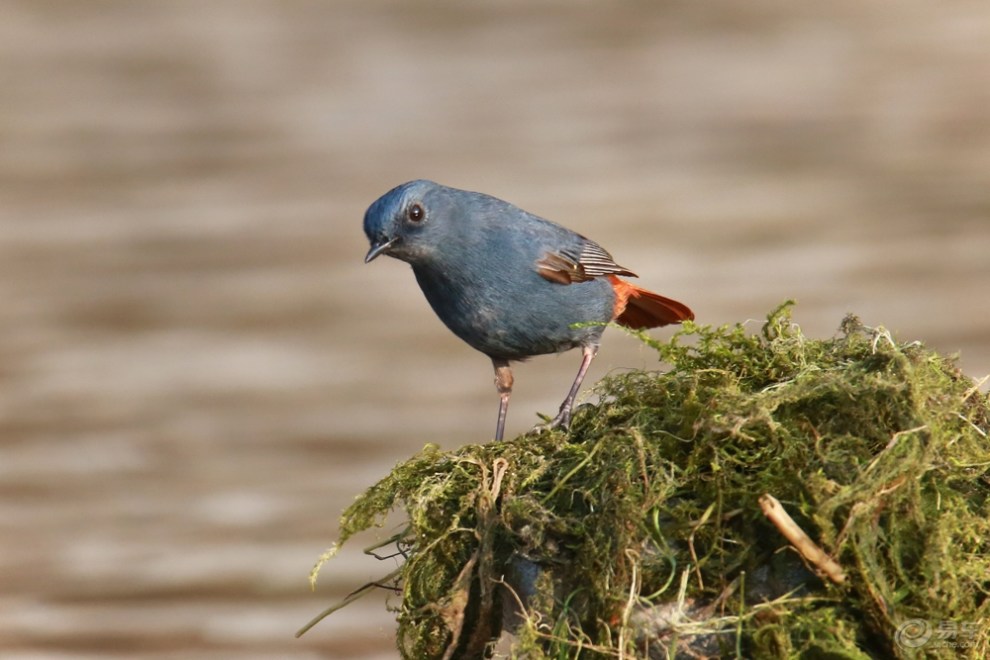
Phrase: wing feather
[596,261]
[568,265]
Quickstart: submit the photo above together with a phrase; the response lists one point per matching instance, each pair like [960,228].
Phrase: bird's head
[401,222]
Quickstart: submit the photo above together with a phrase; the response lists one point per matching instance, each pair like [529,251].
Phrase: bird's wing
[579,263]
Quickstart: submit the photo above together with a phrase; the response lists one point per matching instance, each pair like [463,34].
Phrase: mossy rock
[639,533]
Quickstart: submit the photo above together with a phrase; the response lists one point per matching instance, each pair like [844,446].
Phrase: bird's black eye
[416,213]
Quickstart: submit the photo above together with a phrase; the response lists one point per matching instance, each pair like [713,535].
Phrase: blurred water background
[197,371]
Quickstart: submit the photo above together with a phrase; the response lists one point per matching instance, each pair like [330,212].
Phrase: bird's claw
[562,421]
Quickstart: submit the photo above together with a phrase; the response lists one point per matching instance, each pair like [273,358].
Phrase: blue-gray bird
[509,283]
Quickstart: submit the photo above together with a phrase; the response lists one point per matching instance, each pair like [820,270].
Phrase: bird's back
[485,285]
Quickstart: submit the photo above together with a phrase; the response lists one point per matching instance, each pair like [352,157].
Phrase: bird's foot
[561,421]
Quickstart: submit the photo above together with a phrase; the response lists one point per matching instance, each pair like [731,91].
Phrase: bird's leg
[563,418]
[503,383]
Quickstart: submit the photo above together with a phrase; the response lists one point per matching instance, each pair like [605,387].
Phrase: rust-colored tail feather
[638,308]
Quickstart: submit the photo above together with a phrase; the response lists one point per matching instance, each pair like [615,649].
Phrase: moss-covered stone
[639,533]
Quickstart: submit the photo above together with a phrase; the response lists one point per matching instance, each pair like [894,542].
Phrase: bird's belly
[516,320]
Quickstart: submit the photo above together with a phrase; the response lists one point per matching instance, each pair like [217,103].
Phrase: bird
[511,284]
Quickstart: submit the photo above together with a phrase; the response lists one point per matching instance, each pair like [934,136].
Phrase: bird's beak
[379,247]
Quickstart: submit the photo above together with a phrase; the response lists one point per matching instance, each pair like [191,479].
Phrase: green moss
[642,525]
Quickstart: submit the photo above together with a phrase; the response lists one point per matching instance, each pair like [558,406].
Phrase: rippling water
[197,370]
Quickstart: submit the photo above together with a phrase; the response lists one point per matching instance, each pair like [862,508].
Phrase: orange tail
[638,308]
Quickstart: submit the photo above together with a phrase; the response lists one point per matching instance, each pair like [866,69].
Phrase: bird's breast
[517,314]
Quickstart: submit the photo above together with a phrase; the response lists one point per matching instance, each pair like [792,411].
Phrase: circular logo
[913,633]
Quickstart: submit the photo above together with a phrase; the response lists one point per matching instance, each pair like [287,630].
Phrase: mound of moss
[640,532]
